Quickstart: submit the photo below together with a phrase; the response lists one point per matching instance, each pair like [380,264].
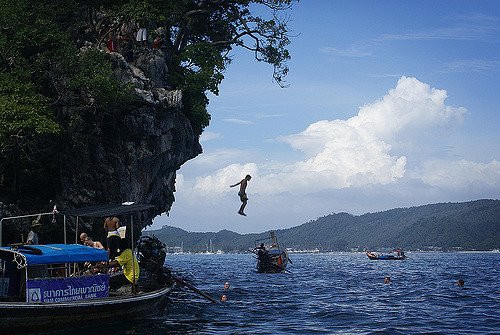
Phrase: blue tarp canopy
[58,253]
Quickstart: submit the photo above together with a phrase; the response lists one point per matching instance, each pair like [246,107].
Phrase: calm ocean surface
[339,293]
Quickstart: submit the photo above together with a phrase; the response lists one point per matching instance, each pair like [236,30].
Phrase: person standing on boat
[242,193]
[263,258]
[33,234]
[261,250]
[111,225]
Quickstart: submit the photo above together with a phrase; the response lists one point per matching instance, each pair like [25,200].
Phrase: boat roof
[107,210]
[57,253]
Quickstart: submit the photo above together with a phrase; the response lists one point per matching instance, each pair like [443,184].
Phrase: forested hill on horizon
[473,225]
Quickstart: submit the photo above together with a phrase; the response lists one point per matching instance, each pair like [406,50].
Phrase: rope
[20,260]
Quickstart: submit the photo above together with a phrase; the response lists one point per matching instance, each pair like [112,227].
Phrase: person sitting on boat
[83,237]
[94,244]
[111,226]
[127,260]
[91,266]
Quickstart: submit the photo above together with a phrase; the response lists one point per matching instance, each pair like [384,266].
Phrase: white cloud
[218,183]
[355,152]
[354,51]
[238,121]
[214,159]
[391,153]
[267,116]
[209,136]
[179,181]
[461,174]
[473,27]
[470,65]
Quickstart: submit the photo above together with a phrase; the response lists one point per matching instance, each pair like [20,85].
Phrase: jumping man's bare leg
[242,208]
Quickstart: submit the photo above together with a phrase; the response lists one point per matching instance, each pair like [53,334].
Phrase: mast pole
[132,251]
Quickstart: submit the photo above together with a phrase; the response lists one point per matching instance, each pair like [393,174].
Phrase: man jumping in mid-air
[243,196]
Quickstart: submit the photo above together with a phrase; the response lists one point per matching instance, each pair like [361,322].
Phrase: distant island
[473,225]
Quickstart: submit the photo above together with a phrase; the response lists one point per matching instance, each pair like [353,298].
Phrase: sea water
[337,293]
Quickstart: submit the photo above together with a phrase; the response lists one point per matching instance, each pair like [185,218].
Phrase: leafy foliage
[22,110]
[35,53]
[55,73]
[199,36]
[94,76]
[41,40]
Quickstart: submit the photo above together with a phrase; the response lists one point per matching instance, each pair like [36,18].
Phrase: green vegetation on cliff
[41,44]
[471,225]
[54,70]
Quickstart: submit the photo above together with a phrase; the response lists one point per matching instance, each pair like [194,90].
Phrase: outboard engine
[151,252]
[151,256]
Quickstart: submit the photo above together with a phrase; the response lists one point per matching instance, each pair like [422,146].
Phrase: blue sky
[390,104]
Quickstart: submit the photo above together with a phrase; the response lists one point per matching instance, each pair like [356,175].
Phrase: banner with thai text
[67,289]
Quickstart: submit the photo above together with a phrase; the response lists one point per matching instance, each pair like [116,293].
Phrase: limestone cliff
[72,135]
[123,154]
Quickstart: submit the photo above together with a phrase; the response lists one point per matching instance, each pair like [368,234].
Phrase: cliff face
[125,154]
[133,153]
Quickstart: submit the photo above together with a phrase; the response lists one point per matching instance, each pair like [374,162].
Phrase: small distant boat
[210,249]
[272,259]
[391,256]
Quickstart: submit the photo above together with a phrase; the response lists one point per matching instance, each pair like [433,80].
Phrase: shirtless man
[111,225]
[243,196]
[83,237]
[94,244]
